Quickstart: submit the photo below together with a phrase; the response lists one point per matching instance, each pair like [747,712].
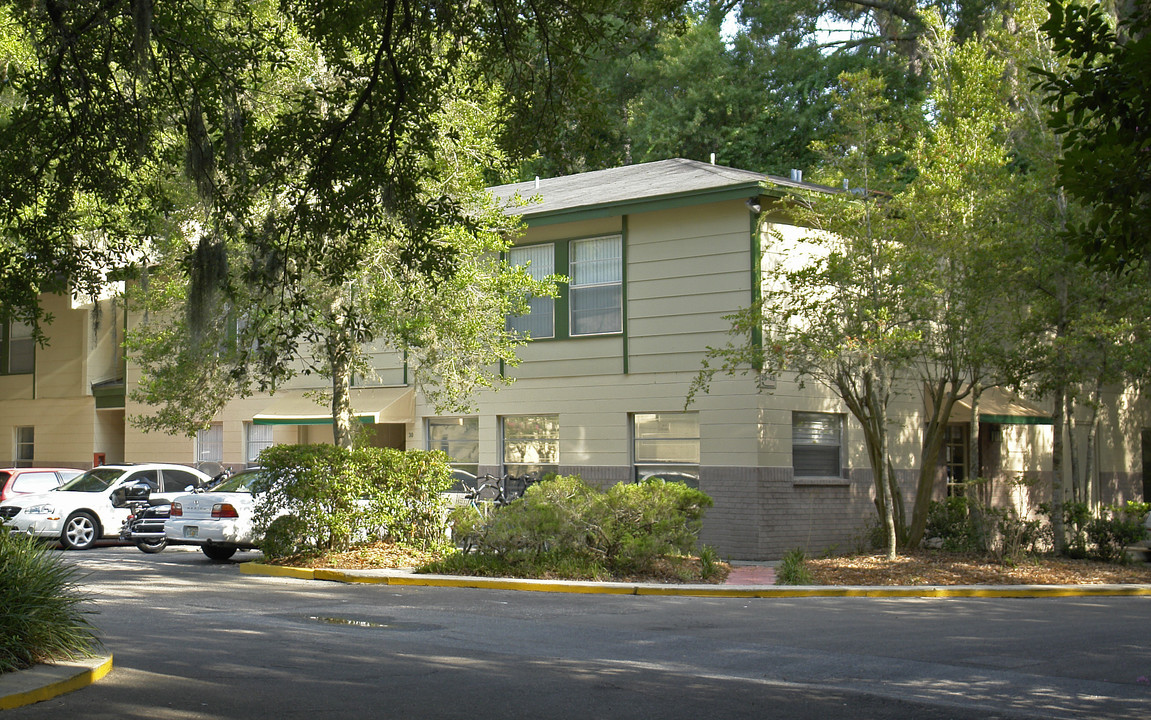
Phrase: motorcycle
[144,525]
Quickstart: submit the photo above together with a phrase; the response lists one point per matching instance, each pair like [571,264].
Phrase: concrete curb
[400,577]
[44,682]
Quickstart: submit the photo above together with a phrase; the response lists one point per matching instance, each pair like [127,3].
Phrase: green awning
[370,406]
[1001,407]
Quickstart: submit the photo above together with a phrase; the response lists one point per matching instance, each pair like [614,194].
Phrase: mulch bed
[943,568]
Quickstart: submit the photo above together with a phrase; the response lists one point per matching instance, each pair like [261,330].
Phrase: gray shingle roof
[634,184]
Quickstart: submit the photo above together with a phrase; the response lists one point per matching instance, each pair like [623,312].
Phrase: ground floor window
[459,438]
[25,446]
[210,444]
[259,437]
[531,444]
[955,457]
[816,444]
[666,445]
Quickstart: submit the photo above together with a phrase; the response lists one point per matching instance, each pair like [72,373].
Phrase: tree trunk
[1060,539]
[942,401]
[1090,460]
[340,361]
[1072,446]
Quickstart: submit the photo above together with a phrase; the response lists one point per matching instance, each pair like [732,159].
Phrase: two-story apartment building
[656,256]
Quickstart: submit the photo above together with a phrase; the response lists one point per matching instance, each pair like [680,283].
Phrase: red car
[28,480]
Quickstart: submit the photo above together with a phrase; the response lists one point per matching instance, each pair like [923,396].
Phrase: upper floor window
[816,442]
[20,355]
[539,262]
[592,303]
[596,289]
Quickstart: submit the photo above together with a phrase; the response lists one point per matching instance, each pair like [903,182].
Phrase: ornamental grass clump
[42,613]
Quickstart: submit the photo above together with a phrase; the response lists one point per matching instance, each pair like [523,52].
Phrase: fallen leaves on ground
[943,568]
[372,556]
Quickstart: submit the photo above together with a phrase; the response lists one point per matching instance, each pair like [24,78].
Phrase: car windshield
[241,482]
[94,480]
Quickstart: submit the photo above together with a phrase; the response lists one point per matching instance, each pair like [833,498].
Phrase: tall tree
[1102,111]
[835,307]
[273,145]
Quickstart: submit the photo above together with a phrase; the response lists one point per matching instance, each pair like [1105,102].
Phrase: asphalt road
[194,639]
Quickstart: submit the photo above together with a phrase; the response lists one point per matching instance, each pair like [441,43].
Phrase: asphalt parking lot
[196,639]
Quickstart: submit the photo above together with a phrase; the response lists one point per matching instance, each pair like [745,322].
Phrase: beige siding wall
[105,338]
[63,430]
[687,268]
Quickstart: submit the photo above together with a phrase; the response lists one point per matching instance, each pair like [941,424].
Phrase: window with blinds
[21,349]
[210,444]
[539,262]
[816,444]
[596,289]
[259,438]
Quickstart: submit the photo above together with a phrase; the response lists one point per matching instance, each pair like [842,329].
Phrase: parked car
[32,481]
[87,508]
[220,521]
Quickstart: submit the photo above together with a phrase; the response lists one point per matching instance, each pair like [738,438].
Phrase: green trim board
[1015,419]
[626,349]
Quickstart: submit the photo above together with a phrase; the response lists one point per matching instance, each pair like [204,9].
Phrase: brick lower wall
[760,513]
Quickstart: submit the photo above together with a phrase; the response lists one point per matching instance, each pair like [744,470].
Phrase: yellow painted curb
[74,676]
[714,591]
[255,568]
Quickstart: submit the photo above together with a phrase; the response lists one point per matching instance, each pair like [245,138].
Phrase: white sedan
[88,508]
[220,522]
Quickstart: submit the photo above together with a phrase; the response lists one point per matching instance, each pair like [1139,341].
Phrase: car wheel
[152,546]
[218,552]
[81,531]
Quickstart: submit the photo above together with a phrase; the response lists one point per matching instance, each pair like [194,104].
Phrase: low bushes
[42,616]
[320,498]
[564,527]
[1104,535]
[961,525]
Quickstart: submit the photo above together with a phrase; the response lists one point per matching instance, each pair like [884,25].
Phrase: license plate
[191,531]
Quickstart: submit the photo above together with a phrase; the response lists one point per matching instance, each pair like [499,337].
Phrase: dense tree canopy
[268,154]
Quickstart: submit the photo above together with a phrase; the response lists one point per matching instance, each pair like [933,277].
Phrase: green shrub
[1115,529]
[959,524]
[1015,536]
[630,529]
[338,497]
[42,616]
[1076,517]
[793,569]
